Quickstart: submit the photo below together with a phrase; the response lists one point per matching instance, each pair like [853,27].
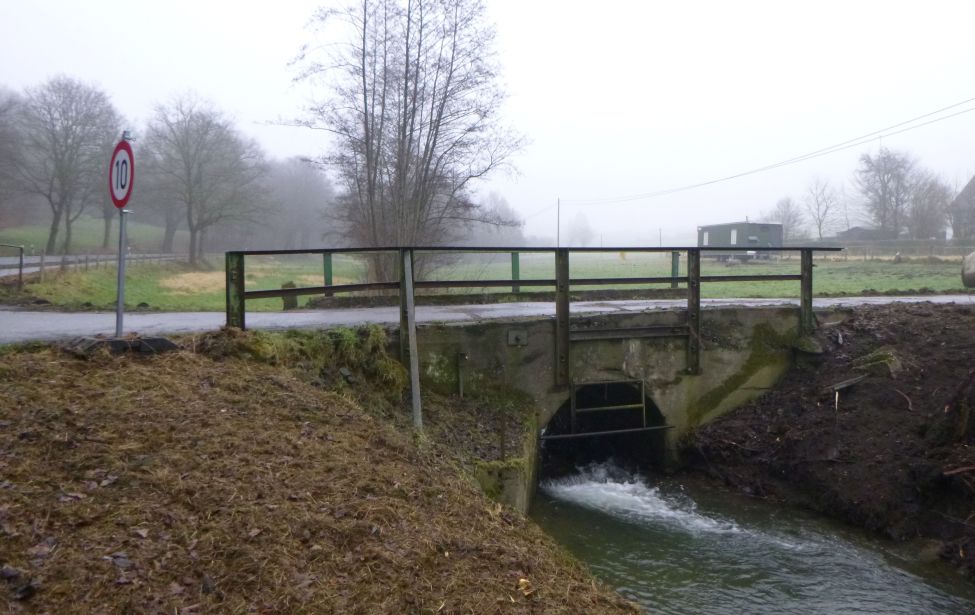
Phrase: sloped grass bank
[246,477]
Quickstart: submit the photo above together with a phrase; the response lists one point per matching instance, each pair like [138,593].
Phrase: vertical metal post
[235,289]
[562,376]
[327,263]
[20,271]
[407,334]
[40,275]
[515,272]
[807,320]
[573,416]
[674,268]
[694,311]
[120,297]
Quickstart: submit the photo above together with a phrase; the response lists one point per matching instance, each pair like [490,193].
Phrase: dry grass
[193,282]
[188,484]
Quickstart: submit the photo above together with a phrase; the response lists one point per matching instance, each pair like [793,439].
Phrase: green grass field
[86,236]
[175,287]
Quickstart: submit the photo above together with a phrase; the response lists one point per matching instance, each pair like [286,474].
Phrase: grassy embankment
[246,473]
[174,287]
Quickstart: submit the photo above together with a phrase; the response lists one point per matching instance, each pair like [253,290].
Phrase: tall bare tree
[414,102]
[884,181]
[65,131]
[301,197]
[9,106]
[789,215]
[927,206]
[822,205]
[200,164]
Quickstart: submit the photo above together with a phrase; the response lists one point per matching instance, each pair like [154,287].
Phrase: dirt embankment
[207,482]
[878,430]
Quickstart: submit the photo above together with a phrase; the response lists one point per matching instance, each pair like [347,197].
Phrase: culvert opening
[613,407]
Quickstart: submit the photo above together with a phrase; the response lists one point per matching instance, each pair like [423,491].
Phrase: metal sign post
[121,177]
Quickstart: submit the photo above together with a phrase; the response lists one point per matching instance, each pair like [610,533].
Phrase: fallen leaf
[526,587]
[254,533]
[141,532]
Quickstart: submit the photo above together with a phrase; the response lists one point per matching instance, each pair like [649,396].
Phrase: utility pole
[558,222]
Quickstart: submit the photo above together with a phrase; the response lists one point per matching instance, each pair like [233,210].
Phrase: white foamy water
[613,491]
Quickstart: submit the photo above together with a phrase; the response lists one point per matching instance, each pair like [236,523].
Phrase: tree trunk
[169,237]
[68,227]
[194,235]
[107,220]
[52,237]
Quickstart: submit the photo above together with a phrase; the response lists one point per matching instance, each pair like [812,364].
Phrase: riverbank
[252,473]
[877,430]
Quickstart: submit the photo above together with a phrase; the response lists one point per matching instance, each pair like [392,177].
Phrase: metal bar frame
[614,432]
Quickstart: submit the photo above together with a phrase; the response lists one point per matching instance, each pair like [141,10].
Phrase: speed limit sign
[121,174]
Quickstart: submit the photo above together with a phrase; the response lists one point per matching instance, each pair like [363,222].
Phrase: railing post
[40,270]
[235,289]
[694,311]
[407,334]
[674,267]
[562,376]
[807,320]
[327,265]
[515,272]
[20,271]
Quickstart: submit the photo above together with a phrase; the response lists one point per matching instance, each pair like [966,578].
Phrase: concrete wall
[744,352]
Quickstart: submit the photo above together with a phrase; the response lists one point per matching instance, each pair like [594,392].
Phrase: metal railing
[20,264]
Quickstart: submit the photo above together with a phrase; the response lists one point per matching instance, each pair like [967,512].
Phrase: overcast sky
[617,98]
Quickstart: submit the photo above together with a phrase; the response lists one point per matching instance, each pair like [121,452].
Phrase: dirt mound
[875,430]
[184,484]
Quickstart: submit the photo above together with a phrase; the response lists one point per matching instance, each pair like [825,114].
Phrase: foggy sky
[617,98]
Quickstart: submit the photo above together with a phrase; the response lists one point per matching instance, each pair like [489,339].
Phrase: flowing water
[717,553]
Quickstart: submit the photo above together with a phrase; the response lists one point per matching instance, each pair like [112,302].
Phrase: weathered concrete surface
[968,271]
[744,352]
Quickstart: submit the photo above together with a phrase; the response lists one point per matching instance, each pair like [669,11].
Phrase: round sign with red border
[121,174]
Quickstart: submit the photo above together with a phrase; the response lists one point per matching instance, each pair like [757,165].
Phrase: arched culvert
[620,412]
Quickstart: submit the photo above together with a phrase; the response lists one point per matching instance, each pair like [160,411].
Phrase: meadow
[175,287]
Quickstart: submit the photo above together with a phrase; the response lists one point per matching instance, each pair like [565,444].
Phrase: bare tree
[414,103]
[927,205]
[580,231]
[822,205]
[301,198]
[789,215]
[201,165]
[66,129]
[9,107]
[884,181]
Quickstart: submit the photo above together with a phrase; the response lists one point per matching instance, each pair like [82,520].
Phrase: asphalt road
[21,326]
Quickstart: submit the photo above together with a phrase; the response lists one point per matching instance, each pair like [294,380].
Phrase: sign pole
[120,303]
[121,177]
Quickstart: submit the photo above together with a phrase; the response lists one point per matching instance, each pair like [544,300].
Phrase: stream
[677,548]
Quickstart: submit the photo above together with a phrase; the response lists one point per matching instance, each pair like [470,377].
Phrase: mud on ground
[877,430]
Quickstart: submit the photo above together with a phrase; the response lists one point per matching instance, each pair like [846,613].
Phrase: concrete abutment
[744,353]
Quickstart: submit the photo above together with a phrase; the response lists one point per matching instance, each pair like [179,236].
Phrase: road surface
[20,325]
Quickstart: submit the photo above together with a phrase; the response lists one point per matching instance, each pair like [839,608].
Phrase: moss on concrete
[768,348]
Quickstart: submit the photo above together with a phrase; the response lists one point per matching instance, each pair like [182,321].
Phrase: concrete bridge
[595,375]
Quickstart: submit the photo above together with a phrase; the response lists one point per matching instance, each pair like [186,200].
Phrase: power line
[848,144]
